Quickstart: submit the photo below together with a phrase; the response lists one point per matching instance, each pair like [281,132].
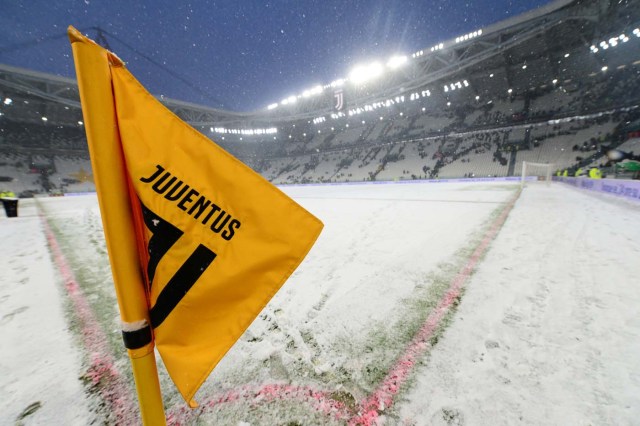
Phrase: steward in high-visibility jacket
[595,173]
[7,194]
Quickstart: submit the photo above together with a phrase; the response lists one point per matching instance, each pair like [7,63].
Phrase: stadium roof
[560,25]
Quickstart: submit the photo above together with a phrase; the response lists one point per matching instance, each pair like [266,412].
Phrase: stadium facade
[558,84]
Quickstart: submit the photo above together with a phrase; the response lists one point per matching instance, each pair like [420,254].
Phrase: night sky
[238,54]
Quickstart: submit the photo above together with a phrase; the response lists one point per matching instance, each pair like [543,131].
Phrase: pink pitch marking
[102,372]
[318,400]
[383,397]
[368,411]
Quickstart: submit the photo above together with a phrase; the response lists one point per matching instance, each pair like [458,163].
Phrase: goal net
[536,172]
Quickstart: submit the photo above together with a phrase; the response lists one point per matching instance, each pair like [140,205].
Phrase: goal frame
[548,166]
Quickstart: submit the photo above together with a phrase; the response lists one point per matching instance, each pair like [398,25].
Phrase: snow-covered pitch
[545,330]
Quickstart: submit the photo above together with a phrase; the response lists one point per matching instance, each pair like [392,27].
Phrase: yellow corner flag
[215,240]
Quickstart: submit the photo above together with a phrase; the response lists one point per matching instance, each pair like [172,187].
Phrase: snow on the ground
[546,332]
[39,361]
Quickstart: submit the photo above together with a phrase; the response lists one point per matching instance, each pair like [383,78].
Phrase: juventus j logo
[339,97]
[164,236]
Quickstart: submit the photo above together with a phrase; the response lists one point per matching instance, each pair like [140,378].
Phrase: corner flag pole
[109,170]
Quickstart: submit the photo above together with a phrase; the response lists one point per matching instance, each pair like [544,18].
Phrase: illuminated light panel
[469,36]
[248,132]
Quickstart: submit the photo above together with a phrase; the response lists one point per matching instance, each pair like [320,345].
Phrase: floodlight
[566,55]
[396,61]
[8,101]
[80,123]
[272,106]
[364,73]
[45,119]
[510,91]
[605,68]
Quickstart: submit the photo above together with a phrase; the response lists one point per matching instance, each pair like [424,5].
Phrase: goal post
[542,171]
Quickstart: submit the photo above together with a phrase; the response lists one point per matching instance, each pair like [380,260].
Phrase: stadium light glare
[605,68]
[80,123]
[8,101]
[45,119]
[396,62]
[491,75]
[313,91]
[364,73]
[510,91]
[272,106]
[423,109]
[477,98]
[290,100]
[448,103]
[524,67]
[566,55]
